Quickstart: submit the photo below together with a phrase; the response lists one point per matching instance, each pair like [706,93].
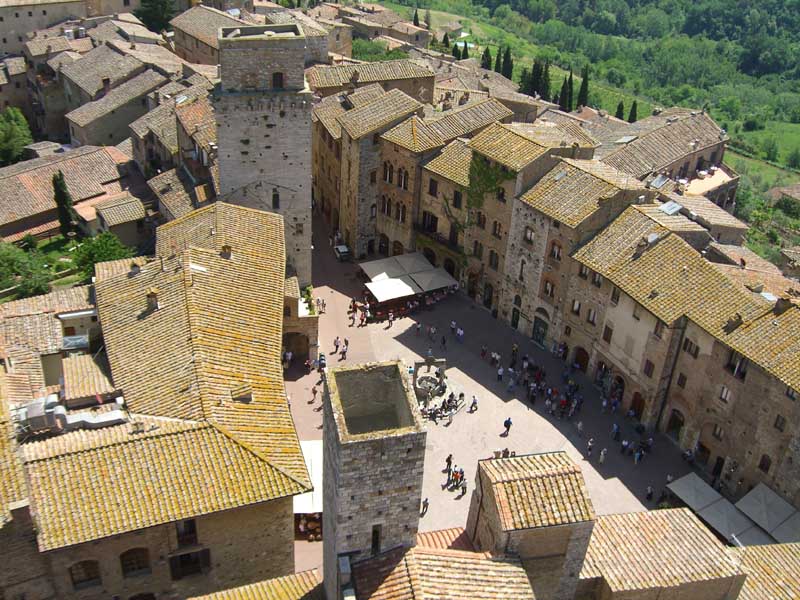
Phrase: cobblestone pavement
[615,486]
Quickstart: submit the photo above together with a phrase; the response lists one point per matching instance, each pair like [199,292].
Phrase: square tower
[263,112]
[374,455]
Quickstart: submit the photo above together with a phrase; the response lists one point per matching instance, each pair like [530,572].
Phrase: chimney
[135,269]
[226,252]
[152,299]
[742,263]
[575,149]
[106,85]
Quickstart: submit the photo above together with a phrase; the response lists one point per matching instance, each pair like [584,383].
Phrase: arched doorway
[430,255]
[371,247]
[450,266]
[581,359]
[488,295]
[515,317]
[297,344]
[539,335]
[617,391]
[397,248]
[383,245]
[472,285]
[675,424]
[637,405]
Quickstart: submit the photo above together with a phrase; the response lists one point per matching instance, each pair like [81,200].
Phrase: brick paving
[615,486]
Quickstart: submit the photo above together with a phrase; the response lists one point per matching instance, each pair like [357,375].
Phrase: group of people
[455,477]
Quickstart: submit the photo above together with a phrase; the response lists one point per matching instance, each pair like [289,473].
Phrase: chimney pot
[226,252]
[152,299]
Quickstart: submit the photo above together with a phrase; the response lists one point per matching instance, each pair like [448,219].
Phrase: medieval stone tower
[263,112]
[372,475]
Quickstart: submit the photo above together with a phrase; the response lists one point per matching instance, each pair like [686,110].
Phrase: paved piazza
[615,486]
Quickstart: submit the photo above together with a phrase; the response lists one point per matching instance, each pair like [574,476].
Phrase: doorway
[515,318]
[675,424]
[637,405]
[539,332]
[581,359]
[488,295]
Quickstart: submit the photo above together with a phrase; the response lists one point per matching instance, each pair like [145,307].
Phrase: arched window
[765,463]
[400,172]
[276,199]
[373,211]
[481,220]
[522,270]
[555,251]
[385,171]
[135,561]
[517,300]
[402,213]
[388,207]
[405,180]
[397,211]
[391,173]
[497,229]
[85,574]
[277,81]
[287,311]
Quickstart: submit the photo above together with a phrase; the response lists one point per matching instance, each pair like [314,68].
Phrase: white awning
[311,502]
[413,262]
[394,288]
[384,268]
[436,279]
[694,492]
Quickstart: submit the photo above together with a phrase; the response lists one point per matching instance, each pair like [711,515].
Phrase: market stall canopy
[435,279]
[694,492]
[413,262]
[771,512]
[391,289]
[729,521]
[384,268]
[311,502]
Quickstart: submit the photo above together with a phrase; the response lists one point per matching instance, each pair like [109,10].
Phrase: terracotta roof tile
[306,585]
[323,76]
[196,116]
[203,22]
[655,549]
[123,209]
[538,490]
[773,572]
[446,539]
[453,162]
[12,477]
[504,145]
[175,192]
[328,112]
[102,62]
[111,268]
[86,376]
[705,211]
[392,106]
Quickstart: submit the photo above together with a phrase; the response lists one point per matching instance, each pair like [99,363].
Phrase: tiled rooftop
[655,549]
[123,209]
[323,76]
[87,377]
[773,572]
[538,490]
[306,585]
[101,63]
[130,91]
[392,106]
[203,22]
[453,162]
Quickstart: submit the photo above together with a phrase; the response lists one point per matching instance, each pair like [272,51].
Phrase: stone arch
[450,266]
[397,248]
[383,244]
[135,561]
[582,358]
[298,344]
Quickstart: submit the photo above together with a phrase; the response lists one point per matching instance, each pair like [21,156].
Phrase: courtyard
[617,485]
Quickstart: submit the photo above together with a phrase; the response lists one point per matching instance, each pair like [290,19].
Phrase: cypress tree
[570,91]
[583,93]
[465,51]
[563,97]
[63,199]
[428,19]
[632,115]
[456,52]
[525,81]
[536,78]
[508,63]
[446,40]
[620,110]
[486,59]
[416,18]
[544,88]
[498,65]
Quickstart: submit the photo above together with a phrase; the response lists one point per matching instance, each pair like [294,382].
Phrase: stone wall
[327,172]
[340,39]
[246,545]
[19,19]
[24,570]
[395,229]
[193,50]
[110,128]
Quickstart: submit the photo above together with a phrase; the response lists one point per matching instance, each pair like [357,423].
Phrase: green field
[786,135]
[761,176]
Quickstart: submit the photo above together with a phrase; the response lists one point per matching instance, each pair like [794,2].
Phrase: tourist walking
[579,427]
[448,463]
[649,493]
[500,373]
[452,327]
[507,425]
[391,318]
[444,343]
[589,446]
[336,344]
[474,406]
[418,328]
[603,453]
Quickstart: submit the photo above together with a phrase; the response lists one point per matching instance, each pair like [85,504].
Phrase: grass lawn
[763,176]
[787,135]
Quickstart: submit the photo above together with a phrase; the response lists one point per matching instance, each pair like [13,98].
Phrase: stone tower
[263,112]
[374,446]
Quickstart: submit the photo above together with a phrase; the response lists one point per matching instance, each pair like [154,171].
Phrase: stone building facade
[372,431]
[18,19]
[263,112]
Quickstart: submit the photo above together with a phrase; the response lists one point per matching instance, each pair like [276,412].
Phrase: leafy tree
[486,59]
[508,64]
[632,118]
[583,93]
[416,18]
[375,50]
[563,97]
[446,40]
[156,14]
[465,52]
[544,89]
[428,18]
[793,160]
[25,270]
[498,64]
[620,110]
[770,148]
[15,134]
[102,247]
[570,91]
[63,200]
[456,52]
[28,243]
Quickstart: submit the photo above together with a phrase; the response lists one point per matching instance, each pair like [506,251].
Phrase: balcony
[437,237]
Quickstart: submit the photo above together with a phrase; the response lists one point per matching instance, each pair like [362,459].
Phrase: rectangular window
[567,331]
[792,394]
[659,330]
[765,463]
[597,280]
[724,394]
[477,249]
[433,187]
[737,364]
[576,307]
[373,177]
[376,539]
[717,432]
[583,272]
[690,348]
[556,224]
[592,316]
[607,333]
[555,251]
[615,296]
[501,195]
[456,199]
[191,563]
[549,289]
[528,235]
[780,423]
[681,380]
[187,532]
[494,261]
[637,312]
[648,368]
